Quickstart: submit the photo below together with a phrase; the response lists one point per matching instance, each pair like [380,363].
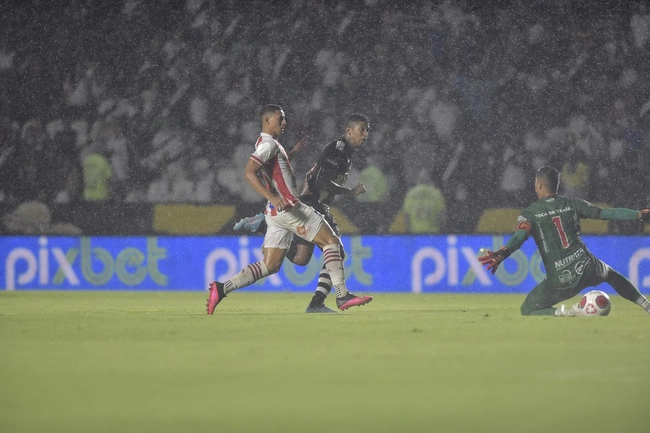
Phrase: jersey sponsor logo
[563,263]
[341,179]
[565,277]
[553,212]
[580,267]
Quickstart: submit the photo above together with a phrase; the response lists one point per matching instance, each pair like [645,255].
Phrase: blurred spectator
[184,80]
[9,145]
[97,172]
[640,26]
[65,166]
[575,174]
[82,89]
[32,170]
[117,148]
[373,177]
[514,185]
[34,218]
[371,212]
[56,160]
[203,179]
[424,207]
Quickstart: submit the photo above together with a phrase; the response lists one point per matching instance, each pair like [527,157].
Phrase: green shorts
[546,294]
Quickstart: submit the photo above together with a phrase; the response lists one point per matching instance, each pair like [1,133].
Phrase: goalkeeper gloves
[645,215]
[492,260]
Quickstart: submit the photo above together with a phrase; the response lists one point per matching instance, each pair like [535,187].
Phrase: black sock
[317,299]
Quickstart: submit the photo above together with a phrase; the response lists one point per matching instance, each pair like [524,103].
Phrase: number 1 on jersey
[560,230]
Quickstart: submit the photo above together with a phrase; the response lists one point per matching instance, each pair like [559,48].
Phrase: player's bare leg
[255,271]
[300,252]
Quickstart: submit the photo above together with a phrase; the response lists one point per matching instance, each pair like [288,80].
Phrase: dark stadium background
[478,94]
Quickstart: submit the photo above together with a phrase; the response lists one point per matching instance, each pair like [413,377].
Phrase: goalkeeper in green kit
[554,222]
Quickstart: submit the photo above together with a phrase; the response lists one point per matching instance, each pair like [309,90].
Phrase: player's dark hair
[355,118]
[269,109]
[550,177]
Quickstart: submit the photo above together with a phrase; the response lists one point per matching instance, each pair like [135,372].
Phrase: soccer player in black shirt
[324,181]
[554,223]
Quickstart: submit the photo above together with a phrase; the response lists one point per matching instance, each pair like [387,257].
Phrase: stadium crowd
[157,102]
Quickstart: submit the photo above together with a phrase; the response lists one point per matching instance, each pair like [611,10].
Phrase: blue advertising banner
[417,264]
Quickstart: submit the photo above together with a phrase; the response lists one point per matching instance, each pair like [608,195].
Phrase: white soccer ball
[595,303]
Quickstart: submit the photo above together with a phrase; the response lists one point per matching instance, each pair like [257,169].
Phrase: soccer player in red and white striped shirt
[285,216]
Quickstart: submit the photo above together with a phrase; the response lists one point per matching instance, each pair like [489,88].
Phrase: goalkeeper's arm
[622,214]
[493,259]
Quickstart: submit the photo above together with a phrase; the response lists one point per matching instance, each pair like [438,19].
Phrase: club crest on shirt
[302,230]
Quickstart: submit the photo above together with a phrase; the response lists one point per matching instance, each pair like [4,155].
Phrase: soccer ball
[595,303]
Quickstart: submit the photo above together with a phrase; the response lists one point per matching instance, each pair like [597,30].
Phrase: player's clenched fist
[493,259]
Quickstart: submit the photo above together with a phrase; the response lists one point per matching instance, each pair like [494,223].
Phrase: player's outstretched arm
[359,189]
[493,259]
[622,214]
[299,147]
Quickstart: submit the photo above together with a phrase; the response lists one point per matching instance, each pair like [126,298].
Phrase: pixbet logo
[446,265]
[26,268]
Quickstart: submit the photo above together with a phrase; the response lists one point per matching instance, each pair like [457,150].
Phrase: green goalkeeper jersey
[555,223]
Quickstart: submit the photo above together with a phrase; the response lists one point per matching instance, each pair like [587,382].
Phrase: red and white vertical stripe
[276,168]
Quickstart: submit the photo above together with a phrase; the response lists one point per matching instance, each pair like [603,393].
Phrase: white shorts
[301,220]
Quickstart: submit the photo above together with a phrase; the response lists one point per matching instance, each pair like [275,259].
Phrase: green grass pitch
[155,362]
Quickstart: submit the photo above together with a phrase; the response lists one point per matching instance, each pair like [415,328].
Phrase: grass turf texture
[135,362]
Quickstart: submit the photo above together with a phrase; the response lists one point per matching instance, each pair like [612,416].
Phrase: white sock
[246,277]
[334,265]
[643,303]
